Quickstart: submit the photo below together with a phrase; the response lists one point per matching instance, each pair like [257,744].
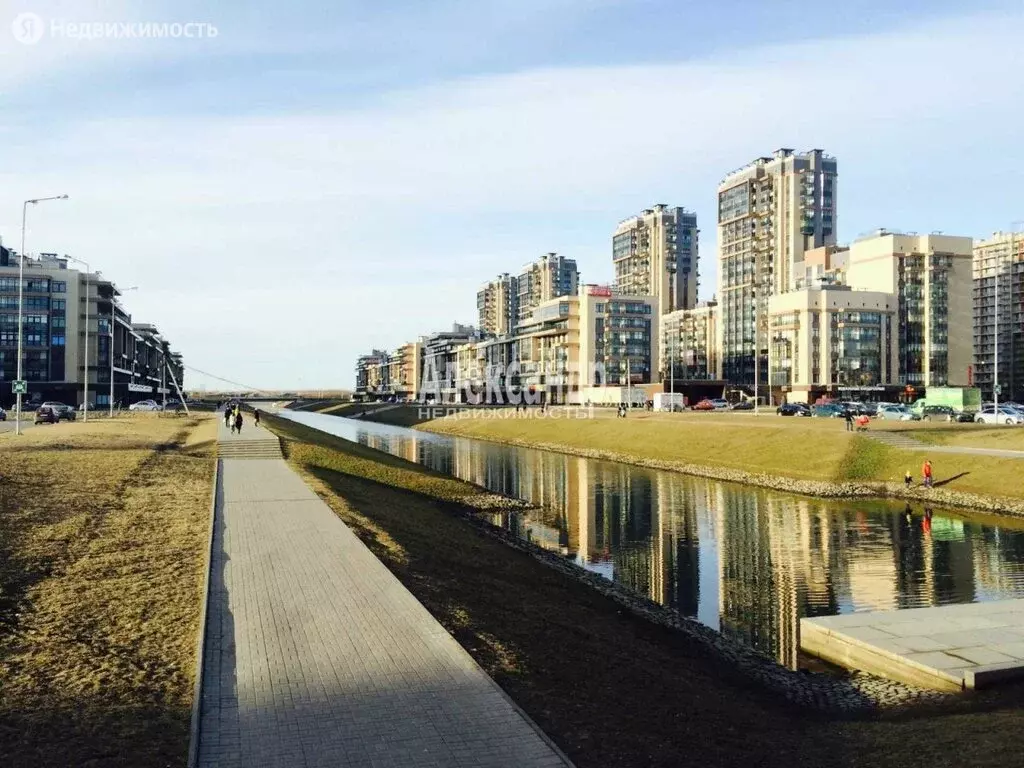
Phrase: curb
[197,702]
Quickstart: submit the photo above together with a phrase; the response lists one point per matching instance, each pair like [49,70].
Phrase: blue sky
[316,181]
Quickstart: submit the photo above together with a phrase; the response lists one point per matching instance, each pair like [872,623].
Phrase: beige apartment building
[497,304]
[403,372]
[999,259]
[689,343]
[549,277]
[656,254]
[832,341]
[770,213]
[931,278]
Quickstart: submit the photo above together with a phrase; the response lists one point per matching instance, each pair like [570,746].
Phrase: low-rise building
[371,374]
[75,330]
[832,341]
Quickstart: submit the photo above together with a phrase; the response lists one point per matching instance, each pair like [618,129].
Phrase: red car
[47,414]
[704,405]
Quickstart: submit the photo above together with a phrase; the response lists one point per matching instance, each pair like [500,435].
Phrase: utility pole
[995,365]
[21,301]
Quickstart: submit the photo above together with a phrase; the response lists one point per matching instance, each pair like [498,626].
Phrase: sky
[321,179]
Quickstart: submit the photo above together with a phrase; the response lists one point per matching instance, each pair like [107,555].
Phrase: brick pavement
[316,655]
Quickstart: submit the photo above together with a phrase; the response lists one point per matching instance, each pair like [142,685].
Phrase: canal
[747,562]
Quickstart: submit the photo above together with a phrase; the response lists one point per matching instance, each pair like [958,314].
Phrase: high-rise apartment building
[770,213]
[75,329]
[999,259]
[497,304]
[931,277]
[549,277]
[655,254]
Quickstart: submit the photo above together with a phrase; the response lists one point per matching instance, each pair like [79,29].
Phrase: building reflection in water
[745,561]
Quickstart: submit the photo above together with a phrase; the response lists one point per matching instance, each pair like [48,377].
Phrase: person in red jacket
[926,472]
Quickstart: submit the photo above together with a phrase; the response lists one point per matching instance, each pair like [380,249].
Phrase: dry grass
[612,690]
[102,532]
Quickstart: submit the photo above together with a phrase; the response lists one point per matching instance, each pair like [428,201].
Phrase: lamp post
[85,384]
[21,299]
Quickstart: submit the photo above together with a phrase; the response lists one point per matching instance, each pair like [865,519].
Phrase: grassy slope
[102,531]
[810,449]
[612,690]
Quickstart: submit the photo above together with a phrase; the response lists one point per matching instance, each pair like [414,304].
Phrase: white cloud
[302,226]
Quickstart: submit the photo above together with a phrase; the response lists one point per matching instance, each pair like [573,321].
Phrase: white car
[145,405]
[1005,416]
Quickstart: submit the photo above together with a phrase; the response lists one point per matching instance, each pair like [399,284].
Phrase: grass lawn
[102,534]
[808,449]
[611,689]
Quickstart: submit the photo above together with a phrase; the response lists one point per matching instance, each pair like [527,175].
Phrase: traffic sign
[19,387]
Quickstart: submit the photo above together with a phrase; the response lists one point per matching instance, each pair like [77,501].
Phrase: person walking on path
[926,472]
[227,416]
[238,421]
[908,479]
[256,416]
[848,415]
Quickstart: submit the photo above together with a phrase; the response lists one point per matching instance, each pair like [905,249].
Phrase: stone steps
[249,449]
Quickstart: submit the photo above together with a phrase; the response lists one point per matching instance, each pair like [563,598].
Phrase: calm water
[744,561]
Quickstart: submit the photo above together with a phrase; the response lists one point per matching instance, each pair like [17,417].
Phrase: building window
[59,286]
[57,340]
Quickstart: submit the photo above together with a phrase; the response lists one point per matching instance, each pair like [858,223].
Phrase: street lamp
[110,352]
[85,385]
[21,300]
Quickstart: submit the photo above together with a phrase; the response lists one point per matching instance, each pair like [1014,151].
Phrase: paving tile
[1016,650]
[937,660]
[323,657]
[981,655]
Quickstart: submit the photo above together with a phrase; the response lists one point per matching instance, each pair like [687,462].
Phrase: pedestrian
[908,479]
[238,422]
[256,415]
[227,416]
[926,472]
[848,415]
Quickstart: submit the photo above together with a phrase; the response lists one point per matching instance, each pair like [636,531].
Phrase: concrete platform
[950,647]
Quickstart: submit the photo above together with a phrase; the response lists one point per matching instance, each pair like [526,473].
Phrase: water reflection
[747,562]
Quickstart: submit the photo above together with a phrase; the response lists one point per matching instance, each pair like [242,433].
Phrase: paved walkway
[316,655]
[901,440]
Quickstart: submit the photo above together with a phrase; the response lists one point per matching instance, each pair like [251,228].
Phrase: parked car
[704,405]
[65,412]
[47,414]
[793,409]
[1003,416]
[830,411]
[897,413]
[869,409]
[145,405]
[944,413]
[743,405]
[720,403]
